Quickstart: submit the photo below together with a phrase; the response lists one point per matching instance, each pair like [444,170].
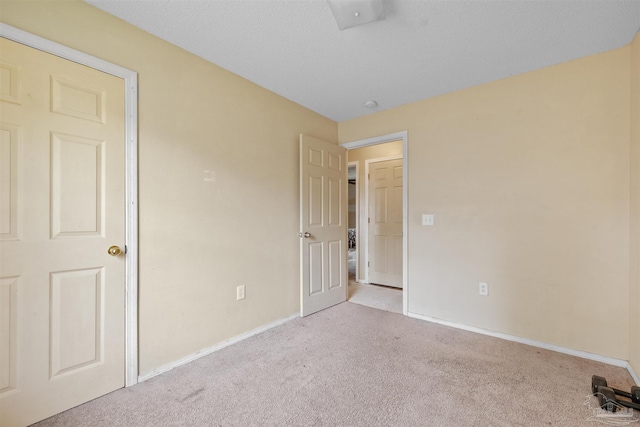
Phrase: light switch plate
[427,219]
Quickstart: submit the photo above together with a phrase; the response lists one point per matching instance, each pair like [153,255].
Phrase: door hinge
[368,264]
[368,220]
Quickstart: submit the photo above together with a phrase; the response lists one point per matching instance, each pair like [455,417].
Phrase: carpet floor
[352,365]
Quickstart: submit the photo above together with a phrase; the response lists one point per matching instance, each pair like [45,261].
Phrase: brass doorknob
[114,251]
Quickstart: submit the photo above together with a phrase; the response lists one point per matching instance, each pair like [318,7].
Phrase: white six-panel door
[323,225]
[61,208]
[385,223]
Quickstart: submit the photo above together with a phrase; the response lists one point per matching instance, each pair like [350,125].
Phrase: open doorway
[353,208]
[377,246]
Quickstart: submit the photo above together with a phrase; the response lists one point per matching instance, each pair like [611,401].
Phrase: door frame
[405,200]
[367,195]
[131,177]
[356,165]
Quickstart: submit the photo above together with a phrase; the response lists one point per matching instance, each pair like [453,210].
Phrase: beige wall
[352,202]
[528,178]
[634,300]
[199,239]
[361,155]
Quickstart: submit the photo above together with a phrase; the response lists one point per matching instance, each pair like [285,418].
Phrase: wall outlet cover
[483,288]
[428,219]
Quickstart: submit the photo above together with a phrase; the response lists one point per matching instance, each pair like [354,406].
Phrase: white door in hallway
[61,207]
[385,223]
[323,225]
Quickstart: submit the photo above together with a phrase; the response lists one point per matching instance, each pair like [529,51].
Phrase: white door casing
[62,296]
[385,264]
[323,225]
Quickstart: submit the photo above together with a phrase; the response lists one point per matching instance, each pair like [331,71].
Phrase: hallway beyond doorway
[376,296]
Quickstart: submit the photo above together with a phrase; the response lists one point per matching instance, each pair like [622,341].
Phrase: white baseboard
[215,348]
[578,353]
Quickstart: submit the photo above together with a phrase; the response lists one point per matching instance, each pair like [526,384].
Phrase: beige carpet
[352,365]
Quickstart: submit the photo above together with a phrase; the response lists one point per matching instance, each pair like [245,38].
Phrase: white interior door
[385,223]
[323,225]
[62,207]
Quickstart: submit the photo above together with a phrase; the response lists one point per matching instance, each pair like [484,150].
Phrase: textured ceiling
[422,48]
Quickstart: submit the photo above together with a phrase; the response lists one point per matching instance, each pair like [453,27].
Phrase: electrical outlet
[427,219]
[483,289]
[240,292]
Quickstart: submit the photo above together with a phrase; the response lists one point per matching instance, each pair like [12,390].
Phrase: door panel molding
[403,135]
[131,177]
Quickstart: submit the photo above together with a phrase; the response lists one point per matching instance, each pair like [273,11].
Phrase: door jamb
[131,177]
[405,200]
[367,193]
